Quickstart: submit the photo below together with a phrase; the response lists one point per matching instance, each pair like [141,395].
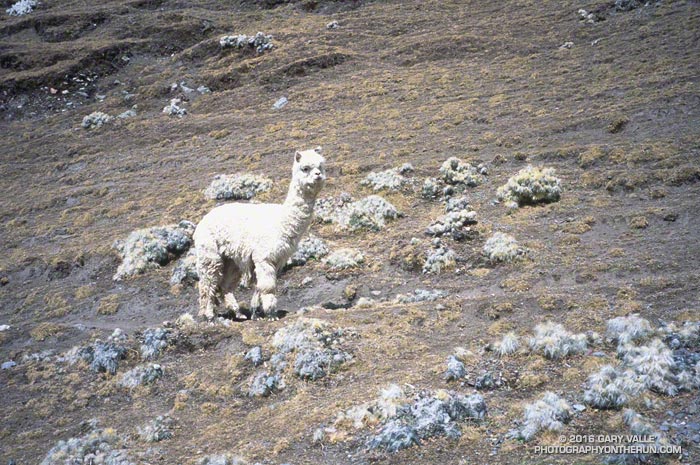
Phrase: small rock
[364,302]
[280,103]
[126,114]
[174,108]
[4,328]
[8,365]
[333,25]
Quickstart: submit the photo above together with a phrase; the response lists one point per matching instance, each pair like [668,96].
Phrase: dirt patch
[615,113]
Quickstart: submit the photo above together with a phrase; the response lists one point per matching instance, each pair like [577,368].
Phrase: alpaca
[252,242]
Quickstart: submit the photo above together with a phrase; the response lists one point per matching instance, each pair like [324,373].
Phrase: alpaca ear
[297,157]
[319,149]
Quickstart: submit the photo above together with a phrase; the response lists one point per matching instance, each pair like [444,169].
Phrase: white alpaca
[253,241]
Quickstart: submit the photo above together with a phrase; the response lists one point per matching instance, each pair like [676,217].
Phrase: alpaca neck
[299,208]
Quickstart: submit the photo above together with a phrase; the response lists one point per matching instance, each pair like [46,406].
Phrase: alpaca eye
[305,169]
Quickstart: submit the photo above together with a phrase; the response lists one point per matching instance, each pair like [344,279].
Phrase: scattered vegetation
[530,186]
[369,213]
[501,247]
[554,342]
[150,248]
[549,413]
[343,259]
[391,179]
[96,120]
[242,186]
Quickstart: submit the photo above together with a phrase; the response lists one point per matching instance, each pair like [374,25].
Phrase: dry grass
[43,331]
[109,305]
[381,90]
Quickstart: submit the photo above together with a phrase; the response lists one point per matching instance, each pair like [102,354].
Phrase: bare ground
[616,115]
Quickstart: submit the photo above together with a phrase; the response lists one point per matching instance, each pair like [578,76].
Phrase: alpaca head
[309,172]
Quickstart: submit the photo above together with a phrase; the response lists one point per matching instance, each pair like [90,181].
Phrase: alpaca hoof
[269,304]
[231,303]
[255,315]
[206,315]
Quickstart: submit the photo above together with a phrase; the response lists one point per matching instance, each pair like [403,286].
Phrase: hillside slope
[611,104]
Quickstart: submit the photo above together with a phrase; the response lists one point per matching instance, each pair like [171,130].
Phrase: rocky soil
[506,249]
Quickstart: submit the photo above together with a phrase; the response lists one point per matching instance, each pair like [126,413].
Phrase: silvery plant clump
[627,329]
[421,295]
[456,369]
[501,247]
[429,414]
[315,345]
[260,42]
[96,120]
[370,213]
[554,342]
[186,269]
[150,248]
[255,356]
[102,356]
[431,189]
[530,186]
[98,446]
[392,179]
[343,259]
[549,413]
[612,387]
[439,259]
[241,186]
[455,204]
[141,375]
[455,224]
[508,345]
[158,429]
[221,459]
[310,248]
[174,108]
[264,384]
[154,341]
[643,429]
[22,7]
[461,174]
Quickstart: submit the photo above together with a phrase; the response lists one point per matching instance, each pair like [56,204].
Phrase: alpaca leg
[209,267]
[255,305]
[229,282]
[255,302]
[266,275]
